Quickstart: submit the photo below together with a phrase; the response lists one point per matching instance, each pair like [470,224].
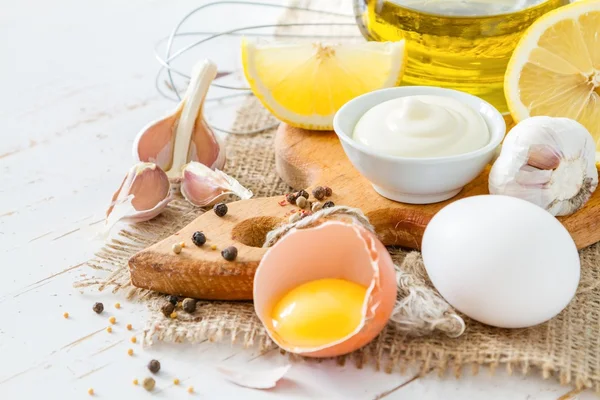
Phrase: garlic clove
[143,194]
[202,186]
[549,162]
[183,136]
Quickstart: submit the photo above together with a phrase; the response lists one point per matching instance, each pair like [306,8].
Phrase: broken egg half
[325,291]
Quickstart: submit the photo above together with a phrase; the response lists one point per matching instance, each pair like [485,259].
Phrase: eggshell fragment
[334,249]
[501,260]
[253,379]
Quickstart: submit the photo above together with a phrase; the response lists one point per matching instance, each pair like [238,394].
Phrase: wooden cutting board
[305,159]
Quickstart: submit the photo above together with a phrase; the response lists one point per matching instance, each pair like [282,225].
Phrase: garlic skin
[548,161]
[183,136]
[143,194]
[202,186]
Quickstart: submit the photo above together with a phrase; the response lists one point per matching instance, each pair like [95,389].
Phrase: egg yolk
[319,312]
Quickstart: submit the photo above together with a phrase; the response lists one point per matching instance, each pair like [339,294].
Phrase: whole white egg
[501,260]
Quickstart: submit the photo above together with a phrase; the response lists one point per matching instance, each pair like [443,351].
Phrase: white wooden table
[76,84]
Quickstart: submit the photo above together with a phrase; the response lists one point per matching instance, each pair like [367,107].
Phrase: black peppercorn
[319,192]
[167,309]
[230,253]
[303,193]
[328,191]
[328,204]
[98,308]
[220,209]
[198,238]
[291,198]
[172,299]
[189,305]
[154,366]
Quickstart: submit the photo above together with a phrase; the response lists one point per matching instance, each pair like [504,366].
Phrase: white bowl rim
[404,91]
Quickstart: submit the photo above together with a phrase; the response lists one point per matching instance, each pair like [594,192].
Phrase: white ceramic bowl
[416,180]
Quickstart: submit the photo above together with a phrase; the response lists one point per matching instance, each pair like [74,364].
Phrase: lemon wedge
[555,68]
[304,84]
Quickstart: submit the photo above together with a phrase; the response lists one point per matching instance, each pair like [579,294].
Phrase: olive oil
[463,45]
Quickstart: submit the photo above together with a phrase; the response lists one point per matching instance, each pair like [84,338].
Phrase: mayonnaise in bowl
[422,126]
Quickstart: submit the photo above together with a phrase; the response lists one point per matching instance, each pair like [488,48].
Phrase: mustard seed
[175,381]
[129,327]
[135,382]
[173,315]
[109,329]
[98,308]
[130,352]
[319,192]
[191,389]
[154,366]
[91,391]
[112,320]
[301,201]
[198,238]
[230,253]
[189,305]
[149,384]
[176,248]
[117,305]
[167,309]
[133,339]
[220,209]
[213,247]
[66,315]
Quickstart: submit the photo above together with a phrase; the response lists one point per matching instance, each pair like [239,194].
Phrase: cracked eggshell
[501,260]
[333,249]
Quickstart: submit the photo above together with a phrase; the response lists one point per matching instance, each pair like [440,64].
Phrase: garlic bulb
[549,162]
[183,136]
[143,194]
[202,186]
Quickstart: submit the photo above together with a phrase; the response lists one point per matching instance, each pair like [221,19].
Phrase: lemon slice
[555,68]
[304,84]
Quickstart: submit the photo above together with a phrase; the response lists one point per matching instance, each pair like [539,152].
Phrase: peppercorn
[319,192]
[317,205]
[167,309]
[112,320]
[230,253]
[154,366]
[176,248]
[328,191]
[198,238]
[220,209]
[98,308]
[301,201]
[149,384]
[291,197]
[189,305]
[172,299]
[303,193]
[328,204]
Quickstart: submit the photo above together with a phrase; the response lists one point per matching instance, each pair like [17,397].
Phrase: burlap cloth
[567,347]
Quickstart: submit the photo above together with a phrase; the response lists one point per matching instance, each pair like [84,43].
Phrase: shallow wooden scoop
[305,159]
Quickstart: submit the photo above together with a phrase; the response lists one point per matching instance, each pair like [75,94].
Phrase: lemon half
[304,84]
[555,68]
